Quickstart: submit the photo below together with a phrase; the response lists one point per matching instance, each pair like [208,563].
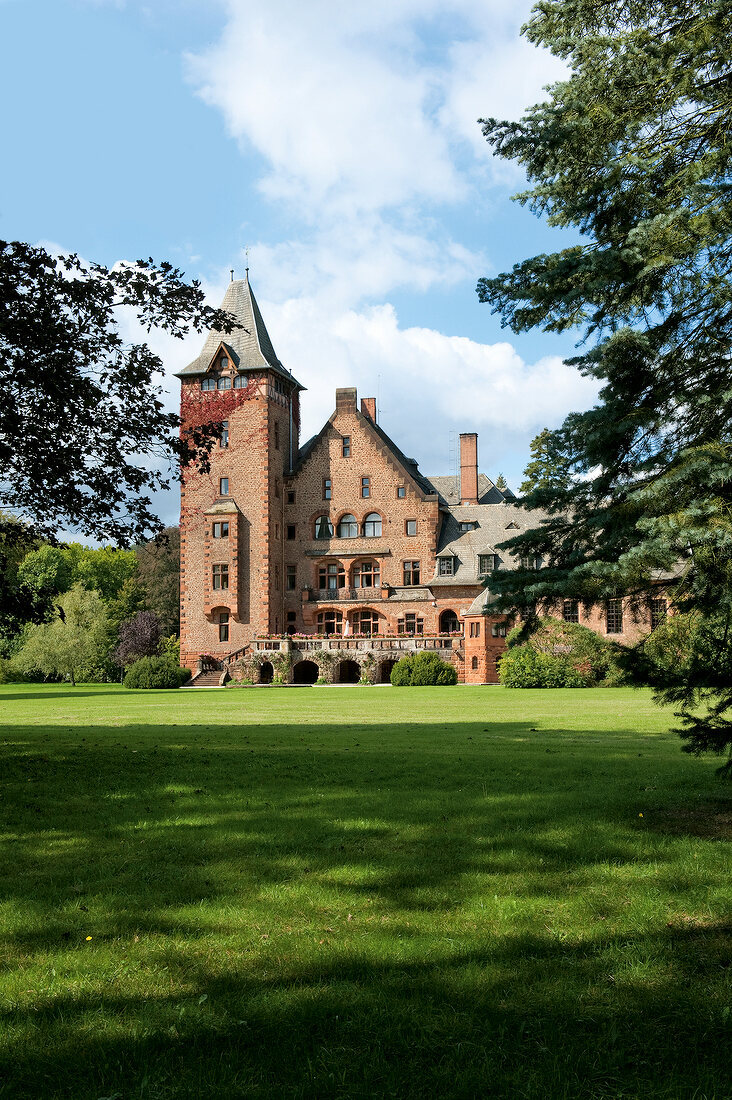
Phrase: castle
[335,558]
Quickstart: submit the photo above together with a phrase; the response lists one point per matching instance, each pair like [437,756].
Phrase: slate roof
[250,347]
[493,522]
[448,490]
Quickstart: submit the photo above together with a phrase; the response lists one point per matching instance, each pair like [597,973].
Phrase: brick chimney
[346,398]
[368,407]
[468,468]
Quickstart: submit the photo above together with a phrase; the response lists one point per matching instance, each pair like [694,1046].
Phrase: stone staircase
[208,679]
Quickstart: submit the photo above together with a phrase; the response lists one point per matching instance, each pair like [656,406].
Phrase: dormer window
[486,564]
[467,526]
[446,567]
[224,362]
[208,383]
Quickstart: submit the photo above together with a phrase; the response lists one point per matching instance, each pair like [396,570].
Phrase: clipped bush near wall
[558,654]
[155,672]
[524,667]
[423,669]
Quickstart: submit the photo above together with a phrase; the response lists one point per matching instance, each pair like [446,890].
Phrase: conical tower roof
[250,347]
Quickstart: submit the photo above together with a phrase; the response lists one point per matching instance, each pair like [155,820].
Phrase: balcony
[402,642]
[329,595]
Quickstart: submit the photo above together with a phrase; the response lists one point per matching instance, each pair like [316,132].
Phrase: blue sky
[339,144]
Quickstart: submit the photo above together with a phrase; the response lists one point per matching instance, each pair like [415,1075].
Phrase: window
[475,630]
[445,567]
[224,362]
[366,574]
[291,577]
[290,531]
[330,622]
[614,616]
[277,436]
[220,575]
[531,561]
[365,622]
[277,532]
[449,623]
[277,577]
[208,384]
[372,525]
[410,526]
[224,437]
[332,576]
[223,618]
[323,528]
[223,486]
[221,530]
[241,382]
[570,611]
[486,564]
[326,488]
[290,496]
[467,527]
[348,527]
[474,664]
[401,492]
[365,487]
[410,624]
[410,572]
[223,383]
[498,630]
[658,613]
[346,443]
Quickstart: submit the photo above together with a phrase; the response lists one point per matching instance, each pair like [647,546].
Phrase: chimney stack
[346,398]
[368,407]
[468,468]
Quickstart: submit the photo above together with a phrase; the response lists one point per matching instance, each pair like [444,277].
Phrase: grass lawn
[359,892]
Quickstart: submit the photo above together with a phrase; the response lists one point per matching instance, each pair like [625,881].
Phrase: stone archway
[449,622]
[266,672]
[305,672]
[385,671]
[348,672]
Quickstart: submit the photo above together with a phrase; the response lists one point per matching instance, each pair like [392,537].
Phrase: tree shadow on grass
[155,842]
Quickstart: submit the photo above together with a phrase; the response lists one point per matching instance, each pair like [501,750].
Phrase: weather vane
[246,253]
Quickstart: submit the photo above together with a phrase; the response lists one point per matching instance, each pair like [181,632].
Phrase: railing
[322,595]
[402,642]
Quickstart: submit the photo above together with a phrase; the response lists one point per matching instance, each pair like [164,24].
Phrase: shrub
[9,674]
[423,669]
[524,667]
[155,672]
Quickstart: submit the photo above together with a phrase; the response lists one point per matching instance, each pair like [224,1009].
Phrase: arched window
[365,622]
[208,384]
[474,663]
[330,622]
[366,574]
[331,576]
[224,383]
[224,362]
[241,382]
[348,527]
[372,525]
[323,528]
[449,622]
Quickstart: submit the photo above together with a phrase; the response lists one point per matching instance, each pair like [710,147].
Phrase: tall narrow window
[223,626]
[323,528]
[224,438]
[327,488]
[401,492]
[410,527]
[223,486]
[220,577]
[614,616]
[277,436]
[411,572]
[658,613]
[290,531]
[291,578]
[346,444]
[474,664]
[570,611]
[372,525]
[348,527]
[277,577]
[365,487]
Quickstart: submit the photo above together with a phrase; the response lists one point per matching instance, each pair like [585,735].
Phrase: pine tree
[548,468]
[634,150]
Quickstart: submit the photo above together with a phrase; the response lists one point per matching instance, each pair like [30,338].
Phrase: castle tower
[232,517]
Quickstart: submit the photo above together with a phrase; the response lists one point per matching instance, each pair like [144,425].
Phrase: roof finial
[231,269]
[246,252]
